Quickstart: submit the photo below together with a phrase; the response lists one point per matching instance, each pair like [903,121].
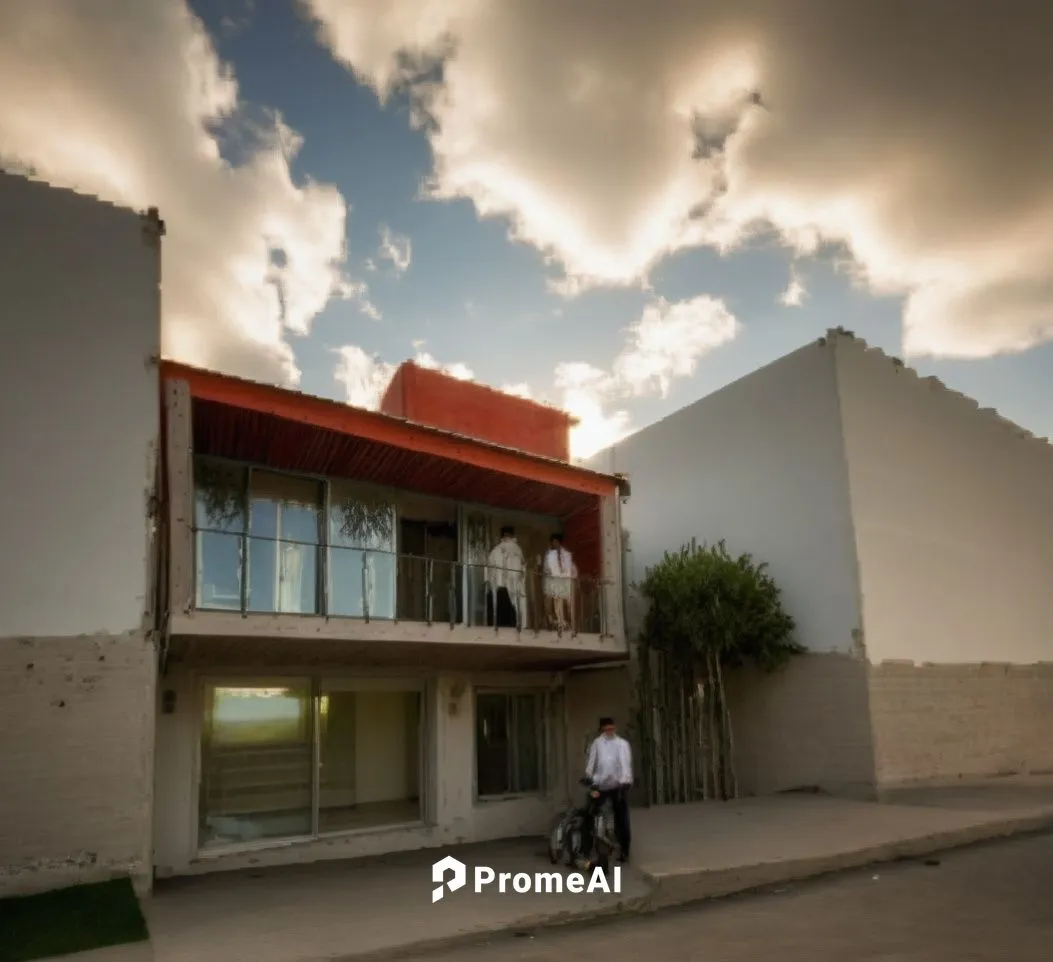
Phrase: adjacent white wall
[79,322]
[760,464]
[953,516]
[80,325]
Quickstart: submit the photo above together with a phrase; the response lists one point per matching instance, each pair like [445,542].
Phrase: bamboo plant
[708,613]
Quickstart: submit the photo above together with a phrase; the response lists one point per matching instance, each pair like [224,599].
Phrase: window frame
[324,546]
[318,681]
[543,742]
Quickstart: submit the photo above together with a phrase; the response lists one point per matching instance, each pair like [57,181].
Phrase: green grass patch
[70,920]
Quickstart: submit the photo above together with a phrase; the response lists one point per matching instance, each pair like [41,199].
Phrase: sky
[613,206]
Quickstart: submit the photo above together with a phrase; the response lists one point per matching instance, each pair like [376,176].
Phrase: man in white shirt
[505,567]
[609,767]
[559,575]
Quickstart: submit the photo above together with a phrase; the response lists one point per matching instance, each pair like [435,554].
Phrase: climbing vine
[707,613]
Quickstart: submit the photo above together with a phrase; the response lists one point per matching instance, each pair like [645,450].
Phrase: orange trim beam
[384,429]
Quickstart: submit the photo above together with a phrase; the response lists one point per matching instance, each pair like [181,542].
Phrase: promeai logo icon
[457,871]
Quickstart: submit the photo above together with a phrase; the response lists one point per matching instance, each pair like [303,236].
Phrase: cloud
[365,377]
[458,369]
[795,292]
[585,392]
[123,100]
[395,248]
[665,344]
[911,133]
[668,340]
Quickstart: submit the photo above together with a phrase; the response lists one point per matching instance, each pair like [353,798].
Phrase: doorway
[429,575]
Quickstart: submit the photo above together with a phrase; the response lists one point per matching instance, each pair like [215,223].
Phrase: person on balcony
[559,575]
[506,582]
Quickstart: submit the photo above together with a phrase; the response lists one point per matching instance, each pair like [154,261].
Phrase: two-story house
[337,674]
[240,623]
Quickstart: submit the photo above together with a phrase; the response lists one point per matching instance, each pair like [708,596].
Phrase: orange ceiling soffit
[384,429]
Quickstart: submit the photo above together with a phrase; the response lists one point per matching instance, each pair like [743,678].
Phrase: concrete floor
[985,903]
[681,853]
[382,907]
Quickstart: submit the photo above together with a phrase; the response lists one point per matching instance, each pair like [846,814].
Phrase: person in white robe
[506,582]
[560,574]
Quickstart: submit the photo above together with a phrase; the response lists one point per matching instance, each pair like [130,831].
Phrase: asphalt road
[973,905]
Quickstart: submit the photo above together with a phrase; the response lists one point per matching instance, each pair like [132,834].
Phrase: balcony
[300,528]
[281,555]
[252,574]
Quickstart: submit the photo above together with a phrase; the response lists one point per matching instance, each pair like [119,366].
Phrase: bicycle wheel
[556,842]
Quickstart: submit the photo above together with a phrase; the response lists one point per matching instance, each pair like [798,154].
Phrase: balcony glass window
[269,542]
[284,543]
[220,517]
[361,552]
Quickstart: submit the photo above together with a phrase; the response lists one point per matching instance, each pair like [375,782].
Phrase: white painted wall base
[76,746]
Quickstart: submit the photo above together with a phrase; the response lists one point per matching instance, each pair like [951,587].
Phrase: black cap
[507,531]
[605,721]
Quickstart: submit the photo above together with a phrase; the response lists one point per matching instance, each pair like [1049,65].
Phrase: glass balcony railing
[249,574]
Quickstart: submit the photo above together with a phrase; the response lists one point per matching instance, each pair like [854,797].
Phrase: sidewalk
[382,907]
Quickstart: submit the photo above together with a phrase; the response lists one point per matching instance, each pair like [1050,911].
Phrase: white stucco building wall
[912,535]
[953,517]
[80,324]
[760,463]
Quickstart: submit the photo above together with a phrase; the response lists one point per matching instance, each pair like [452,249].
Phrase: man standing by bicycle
[610,768]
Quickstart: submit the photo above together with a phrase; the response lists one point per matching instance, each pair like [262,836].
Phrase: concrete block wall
[79,431]
[943,723]
[76,747]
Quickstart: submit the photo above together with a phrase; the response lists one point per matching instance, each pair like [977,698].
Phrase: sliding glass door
[305,757]
[370,756]
[284,541]
[257,747]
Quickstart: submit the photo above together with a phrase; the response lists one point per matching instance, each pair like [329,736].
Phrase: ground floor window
[308,756]
[511,732]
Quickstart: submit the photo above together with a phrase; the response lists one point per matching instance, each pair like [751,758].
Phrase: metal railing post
[451,593]
[428,573]
[243,572]
[365,586]
[469,596]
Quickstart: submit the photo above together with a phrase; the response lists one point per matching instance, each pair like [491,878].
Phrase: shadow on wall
[805,726]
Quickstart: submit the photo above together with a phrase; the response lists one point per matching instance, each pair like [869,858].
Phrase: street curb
[672,891]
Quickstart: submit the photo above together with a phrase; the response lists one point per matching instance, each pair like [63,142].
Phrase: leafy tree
[707,612]
[219,489]
[367,518]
